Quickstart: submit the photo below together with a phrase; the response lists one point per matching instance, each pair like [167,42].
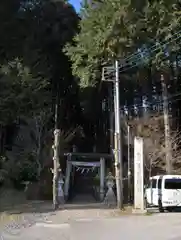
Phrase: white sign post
[138,174]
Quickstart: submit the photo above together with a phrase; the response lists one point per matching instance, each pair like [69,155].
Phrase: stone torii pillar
[67,176]
[102,178]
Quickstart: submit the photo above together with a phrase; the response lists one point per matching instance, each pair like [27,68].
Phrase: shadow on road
[15,203]
[156,210]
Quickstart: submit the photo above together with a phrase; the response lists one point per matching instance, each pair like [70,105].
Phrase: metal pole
[168,146]
[118,147]
[111,117]
[129,167]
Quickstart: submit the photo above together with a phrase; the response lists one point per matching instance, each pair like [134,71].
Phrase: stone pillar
[138,174]
[61,197]
[102,178]
[67,176]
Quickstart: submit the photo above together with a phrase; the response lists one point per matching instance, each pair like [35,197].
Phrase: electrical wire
[136,64]
[152,48]
[139,64]
[155,48]
[155,102]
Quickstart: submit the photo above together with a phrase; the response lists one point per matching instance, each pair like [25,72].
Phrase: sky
[76,4]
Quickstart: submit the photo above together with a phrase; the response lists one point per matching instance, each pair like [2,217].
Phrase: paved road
[140,227]
[166,226]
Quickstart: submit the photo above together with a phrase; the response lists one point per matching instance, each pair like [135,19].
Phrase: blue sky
[76,4]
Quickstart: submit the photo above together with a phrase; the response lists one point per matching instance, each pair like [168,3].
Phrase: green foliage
[114,29]
[31,55]
[24,170]
[20,92]
[106,32]
[33,72]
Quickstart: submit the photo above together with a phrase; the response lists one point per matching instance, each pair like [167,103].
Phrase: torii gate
[100,164]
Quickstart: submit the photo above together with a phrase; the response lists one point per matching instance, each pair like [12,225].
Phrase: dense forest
[144,36]
[51,56]
[36,76]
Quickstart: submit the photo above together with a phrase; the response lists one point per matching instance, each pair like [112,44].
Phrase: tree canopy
[34,72]
[115,29]
[31,58]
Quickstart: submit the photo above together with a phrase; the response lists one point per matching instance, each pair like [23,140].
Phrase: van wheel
[160,207]
[169,209]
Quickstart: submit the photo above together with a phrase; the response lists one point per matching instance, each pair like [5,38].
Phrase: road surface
[166,226]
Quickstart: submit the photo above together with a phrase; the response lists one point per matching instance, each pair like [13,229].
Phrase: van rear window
[173,183]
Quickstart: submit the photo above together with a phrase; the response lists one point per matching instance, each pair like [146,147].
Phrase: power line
[152,48]
[156,102]
[155,48]
[136,64]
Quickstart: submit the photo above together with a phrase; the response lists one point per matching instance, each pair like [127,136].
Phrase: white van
[164,192]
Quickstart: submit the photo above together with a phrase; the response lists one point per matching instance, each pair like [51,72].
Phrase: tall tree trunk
[56,167]
[56,159]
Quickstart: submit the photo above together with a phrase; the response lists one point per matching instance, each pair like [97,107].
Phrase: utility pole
[168,146]
[129,167]
[111,118]
[118,146]
[106,76]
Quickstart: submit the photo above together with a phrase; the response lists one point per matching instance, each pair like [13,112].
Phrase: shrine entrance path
[83,198]
[79,210]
